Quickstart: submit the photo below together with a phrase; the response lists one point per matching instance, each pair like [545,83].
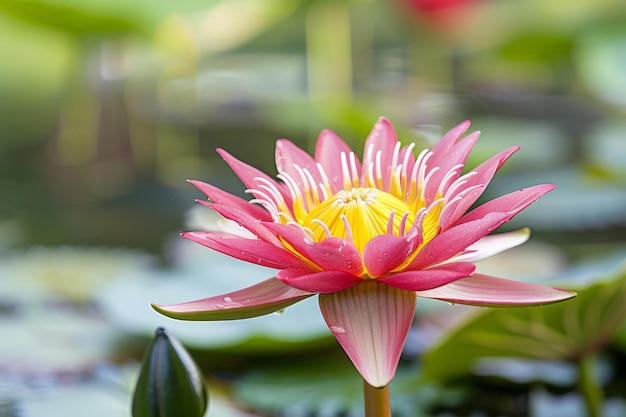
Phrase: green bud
[170,383]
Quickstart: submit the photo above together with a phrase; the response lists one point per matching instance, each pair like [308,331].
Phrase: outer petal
[484,290]
[371,322]
[260,299]
[456,239]
[319,282]
[244,220]
[509,203]
[249,250]
[288,155]
[450,138]
[252,177]
[386,252]
[382,139]
[429,278]
[445,162]
[479,180]
[329,254]
[222,197]
[328,152]
[492,245]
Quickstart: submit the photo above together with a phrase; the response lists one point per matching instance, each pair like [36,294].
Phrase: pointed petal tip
[260,299]
[487,291]
[384,122]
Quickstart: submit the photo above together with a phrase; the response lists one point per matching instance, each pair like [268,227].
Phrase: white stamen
[345,171]
[294,190]
[354,170]
[394,157]
[417,174]
[405,165]
[323,225]
[425,181]
[287,217]
[395,177]
[390,222]
[274,193]
[261,196]
[403,223]
[269,207]
[444,181]
[459,182]
[315,187]
[379,170]
[322,171]
[346,225]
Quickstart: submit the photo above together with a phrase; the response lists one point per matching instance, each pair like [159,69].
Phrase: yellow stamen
[367,213]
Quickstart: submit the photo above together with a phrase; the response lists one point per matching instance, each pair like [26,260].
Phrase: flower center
[358,214]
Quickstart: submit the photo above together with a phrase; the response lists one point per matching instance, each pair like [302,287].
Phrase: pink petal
[329,254]
[511,203]
[328,152]
[250,250]
[456,207]
[484,290]
[455,240]
[319,282]
[222,197]
[445,162]
[245,220]
[288,155]
[483,175]
[371,322]
[450,138]
[385,252]
[426,279]
[260,299]
[381,139]
[250,176]
[492,245]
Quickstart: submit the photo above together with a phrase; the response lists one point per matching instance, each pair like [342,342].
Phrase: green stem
[590,386]
[376,401]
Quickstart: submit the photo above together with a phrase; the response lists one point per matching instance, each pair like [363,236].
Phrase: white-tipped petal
[492,245]
[488,291]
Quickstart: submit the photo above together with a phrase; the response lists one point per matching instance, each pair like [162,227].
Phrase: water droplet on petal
[228,300]
[220,306]
[337,330]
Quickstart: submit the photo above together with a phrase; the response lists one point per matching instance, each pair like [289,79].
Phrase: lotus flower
[368,236]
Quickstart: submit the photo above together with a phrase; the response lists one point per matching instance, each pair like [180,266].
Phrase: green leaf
[170,383]
[567,331]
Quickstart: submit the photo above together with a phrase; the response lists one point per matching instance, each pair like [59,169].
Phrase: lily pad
[566,331]
[63,273]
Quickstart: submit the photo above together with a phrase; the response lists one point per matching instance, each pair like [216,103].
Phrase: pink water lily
[369,236]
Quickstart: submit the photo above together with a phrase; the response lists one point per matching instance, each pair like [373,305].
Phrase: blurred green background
[107,106]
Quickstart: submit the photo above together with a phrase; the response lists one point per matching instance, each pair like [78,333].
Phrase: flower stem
[590,386]
[376,401]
